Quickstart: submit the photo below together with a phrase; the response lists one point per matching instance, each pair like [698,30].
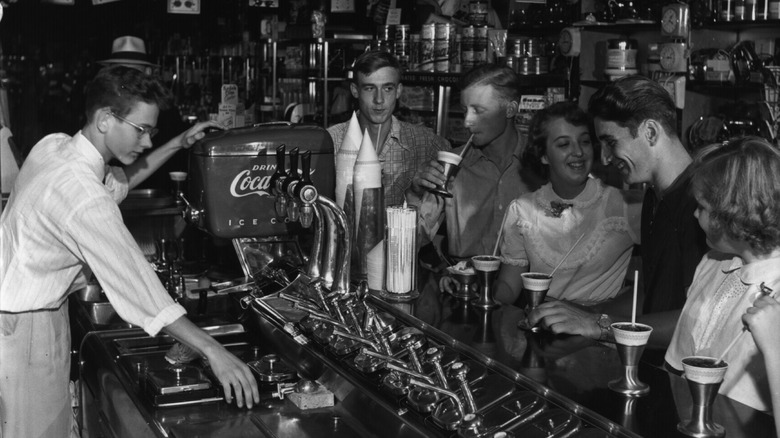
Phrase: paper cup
[631,334]
[486,263]
[448,157]
[536,281]
[704,369]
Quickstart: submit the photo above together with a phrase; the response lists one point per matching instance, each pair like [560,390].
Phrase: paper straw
[764,291]
[500,233]
[731,345]
[467,147]
[636,287]
[567,254]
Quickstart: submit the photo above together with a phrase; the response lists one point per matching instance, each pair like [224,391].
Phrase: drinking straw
[763,290]
[731,345]
[567,254]
[467,147]
[633,307]
[500,233]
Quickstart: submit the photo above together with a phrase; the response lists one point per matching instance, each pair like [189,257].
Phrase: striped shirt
[407,149]
[62,216]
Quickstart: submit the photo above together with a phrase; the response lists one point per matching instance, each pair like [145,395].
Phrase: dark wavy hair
[503,79]
[740,181]
[371,61]
[537,133]
[119,88]
[631,100]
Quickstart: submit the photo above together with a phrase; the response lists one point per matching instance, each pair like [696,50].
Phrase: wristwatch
[605,324]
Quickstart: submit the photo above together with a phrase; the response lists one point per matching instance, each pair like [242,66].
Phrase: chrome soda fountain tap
[305,192]
[458,371]
[280,205]
[288,186]
[433,356]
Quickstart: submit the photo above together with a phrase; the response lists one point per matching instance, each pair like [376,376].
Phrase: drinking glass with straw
[536,285]
[630,340]
[450,161]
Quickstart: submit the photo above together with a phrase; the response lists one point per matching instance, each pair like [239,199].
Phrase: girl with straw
[540,228]
[737,187]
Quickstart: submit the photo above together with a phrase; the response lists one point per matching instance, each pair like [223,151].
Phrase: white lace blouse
[540,227]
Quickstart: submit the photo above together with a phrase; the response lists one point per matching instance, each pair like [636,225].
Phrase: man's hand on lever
[235,376]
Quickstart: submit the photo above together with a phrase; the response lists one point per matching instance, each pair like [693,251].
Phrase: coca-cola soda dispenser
[231,171]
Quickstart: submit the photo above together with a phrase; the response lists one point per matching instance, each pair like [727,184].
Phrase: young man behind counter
[63,217]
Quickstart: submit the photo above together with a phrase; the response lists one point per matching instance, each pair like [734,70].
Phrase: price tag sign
[394,16]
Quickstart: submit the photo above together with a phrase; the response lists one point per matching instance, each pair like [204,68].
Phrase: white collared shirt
[62,216]
[712,318]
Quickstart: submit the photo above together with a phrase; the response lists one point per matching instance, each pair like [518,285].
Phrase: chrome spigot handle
[305,192]
[455,400]
[413,374]
[408,342]
[289,184]
[433,356]
[280,174]
[345,334]
[277,179]
[292,172]
[458,371]
[190,214]
[384,357]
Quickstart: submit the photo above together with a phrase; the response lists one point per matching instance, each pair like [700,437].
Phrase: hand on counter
[235,376]
[448,284]
[564,317]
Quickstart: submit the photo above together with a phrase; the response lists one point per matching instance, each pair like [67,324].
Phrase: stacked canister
[526,56]
[439,47]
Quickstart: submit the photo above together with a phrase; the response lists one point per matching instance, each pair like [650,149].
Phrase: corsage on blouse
[557,208]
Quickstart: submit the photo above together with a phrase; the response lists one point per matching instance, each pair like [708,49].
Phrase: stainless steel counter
[569,374]
[579,369]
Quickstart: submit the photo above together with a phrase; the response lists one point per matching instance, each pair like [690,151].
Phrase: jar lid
[621,44]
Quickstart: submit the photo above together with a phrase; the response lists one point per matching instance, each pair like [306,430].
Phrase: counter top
[569,367]
[579,369]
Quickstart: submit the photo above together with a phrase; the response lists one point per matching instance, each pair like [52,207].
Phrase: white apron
[34,374]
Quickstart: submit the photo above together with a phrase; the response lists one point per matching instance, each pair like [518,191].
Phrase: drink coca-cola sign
[252,182]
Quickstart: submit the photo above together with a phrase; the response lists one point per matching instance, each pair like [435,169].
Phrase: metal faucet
[458,371]
[455,400]
[356,338]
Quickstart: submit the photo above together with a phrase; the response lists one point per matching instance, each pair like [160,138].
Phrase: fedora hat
[128,50]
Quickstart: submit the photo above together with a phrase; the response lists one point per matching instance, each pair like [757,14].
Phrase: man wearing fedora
[130,51]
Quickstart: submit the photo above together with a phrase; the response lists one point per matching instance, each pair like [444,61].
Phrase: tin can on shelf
[467,39]
[443,46]
[621,54]
[480,38]
[427,38]
[385,32]
[467,60]
[726,12]
[480,57]
[478,11]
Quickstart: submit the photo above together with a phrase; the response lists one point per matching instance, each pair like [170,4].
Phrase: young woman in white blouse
[540,227]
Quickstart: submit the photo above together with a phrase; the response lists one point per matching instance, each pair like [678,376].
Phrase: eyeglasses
[141,129]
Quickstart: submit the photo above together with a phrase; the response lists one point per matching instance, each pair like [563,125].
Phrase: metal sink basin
[103,315]
[93,293]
